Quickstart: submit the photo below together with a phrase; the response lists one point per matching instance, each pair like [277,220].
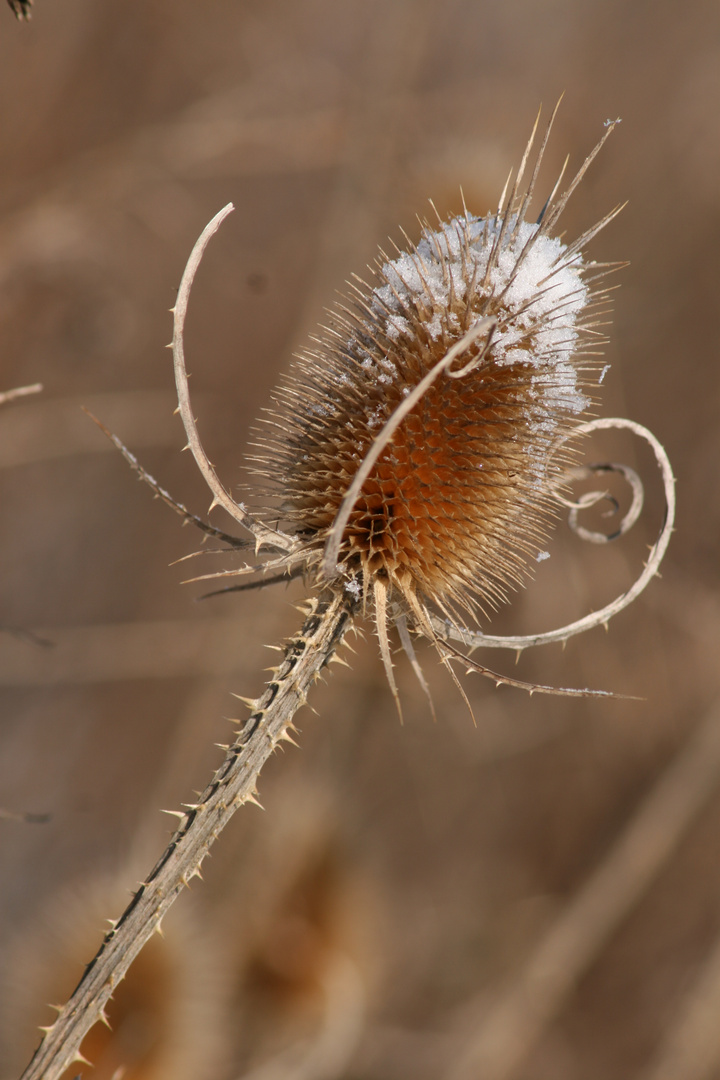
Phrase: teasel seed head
[464,487]
[415,455]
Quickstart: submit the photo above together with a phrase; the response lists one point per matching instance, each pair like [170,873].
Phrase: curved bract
[474,639]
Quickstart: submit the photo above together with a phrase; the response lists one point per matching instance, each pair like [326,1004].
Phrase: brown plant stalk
[517,367]
[234,783]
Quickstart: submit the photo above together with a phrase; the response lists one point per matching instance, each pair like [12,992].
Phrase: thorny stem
[234,783]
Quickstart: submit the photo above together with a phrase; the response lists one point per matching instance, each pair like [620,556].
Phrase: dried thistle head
[415,454]
[464,485]
[459,496]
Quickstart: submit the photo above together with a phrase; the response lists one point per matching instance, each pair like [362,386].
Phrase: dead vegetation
[410,886]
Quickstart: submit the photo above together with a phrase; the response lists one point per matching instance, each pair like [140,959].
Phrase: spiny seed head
[461,495]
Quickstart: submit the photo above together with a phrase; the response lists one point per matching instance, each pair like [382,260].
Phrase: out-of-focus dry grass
[403,881]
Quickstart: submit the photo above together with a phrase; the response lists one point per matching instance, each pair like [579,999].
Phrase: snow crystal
[396,326]
[376,418]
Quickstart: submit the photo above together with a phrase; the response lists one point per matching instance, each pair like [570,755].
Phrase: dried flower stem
[233,784]
[19,391]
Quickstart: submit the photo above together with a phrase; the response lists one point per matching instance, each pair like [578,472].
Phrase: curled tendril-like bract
[475,639]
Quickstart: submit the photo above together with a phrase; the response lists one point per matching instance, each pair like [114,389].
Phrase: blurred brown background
[534,898]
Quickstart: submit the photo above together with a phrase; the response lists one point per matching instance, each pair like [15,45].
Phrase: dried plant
[21,8]
[18,392]
[416,458]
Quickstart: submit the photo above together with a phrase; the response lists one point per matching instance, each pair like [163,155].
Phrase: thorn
[46,1030]
[222,745]
[158,928]
[81,1059]
[251,799]
[192,806]
[288,738]
[250,702]
[104,1019]
[175,813]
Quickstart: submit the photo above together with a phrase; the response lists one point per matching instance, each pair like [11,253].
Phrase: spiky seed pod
[461,495]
